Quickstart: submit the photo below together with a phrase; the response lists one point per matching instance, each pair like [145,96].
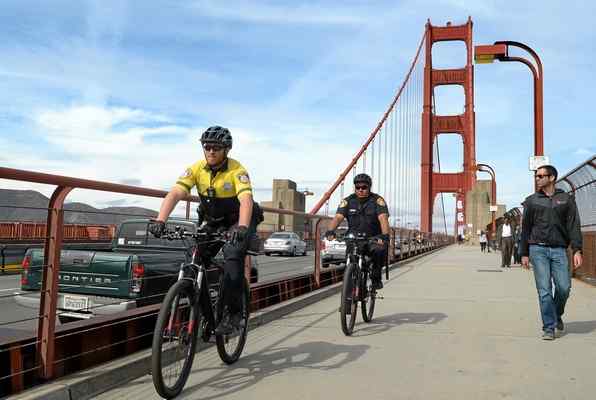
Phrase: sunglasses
[361,187]
[215,148]
[540,176]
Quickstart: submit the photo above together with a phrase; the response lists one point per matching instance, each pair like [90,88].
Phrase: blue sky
[120,91]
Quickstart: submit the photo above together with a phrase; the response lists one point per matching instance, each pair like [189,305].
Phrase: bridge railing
[35,348]
[581,182]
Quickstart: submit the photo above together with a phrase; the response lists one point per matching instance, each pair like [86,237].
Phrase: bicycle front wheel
[230,346]
[368,297]
[175,339]
[349,298]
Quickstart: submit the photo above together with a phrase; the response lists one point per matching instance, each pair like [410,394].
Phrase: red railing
[10,231]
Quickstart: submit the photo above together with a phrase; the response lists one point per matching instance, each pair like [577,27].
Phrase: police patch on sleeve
[244,178]
[186,174]
[381,202]
[343,204]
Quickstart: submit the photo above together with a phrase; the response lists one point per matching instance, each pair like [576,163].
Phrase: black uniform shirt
[363,216]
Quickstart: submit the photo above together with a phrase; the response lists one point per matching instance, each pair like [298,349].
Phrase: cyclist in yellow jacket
[225,190]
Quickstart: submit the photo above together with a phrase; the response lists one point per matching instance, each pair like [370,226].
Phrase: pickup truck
[138,271]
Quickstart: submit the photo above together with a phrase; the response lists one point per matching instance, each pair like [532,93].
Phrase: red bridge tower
[434,183]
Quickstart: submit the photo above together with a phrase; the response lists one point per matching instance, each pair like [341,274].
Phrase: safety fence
[581,182]
[55,318]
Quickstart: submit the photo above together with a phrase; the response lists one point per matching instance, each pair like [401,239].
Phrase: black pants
[482,246]
[516,254]
[378,255]
[506,251]
[234,254]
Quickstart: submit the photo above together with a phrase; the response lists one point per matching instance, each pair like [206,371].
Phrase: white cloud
[279,14]
[582,151]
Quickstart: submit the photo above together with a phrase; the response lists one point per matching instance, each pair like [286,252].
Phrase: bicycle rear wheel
[349,298]
[368,297]
[175,339]
[230,346]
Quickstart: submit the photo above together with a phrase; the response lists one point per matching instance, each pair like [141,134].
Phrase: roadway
[271,268]
[452,325]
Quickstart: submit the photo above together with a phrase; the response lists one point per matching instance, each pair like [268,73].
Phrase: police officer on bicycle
[366,213]
[225,190]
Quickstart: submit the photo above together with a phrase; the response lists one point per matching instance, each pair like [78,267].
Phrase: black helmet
[363,178]
[218,135]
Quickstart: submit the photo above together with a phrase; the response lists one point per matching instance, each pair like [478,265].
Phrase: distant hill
[29,205]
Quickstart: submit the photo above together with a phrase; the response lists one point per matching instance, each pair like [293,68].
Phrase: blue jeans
[550,263]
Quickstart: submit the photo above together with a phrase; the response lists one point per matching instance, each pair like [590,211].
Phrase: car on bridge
[284,243]
[334,251]
[138,271]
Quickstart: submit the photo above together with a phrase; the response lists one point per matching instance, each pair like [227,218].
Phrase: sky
[120,91]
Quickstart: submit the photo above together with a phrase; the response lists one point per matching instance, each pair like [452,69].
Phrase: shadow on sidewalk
[253,368]
[580,327]
[386,322]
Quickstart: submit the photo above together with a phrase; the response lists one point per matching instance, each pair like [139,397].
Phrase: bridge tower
[460,183]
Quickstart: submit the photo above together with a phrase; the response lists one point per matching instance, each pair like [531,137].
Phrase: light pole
[493,190]
[486,54]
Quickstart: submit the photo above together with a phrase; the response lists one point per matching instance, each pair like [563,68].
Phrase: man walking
[550,224]
[506,244]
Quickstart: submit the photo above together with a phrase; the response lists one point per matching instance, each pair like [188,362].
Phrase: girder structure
[434,183]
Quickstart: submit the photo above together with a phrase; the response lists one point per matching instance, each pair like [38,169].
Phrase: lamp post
[493,190]
[486,54]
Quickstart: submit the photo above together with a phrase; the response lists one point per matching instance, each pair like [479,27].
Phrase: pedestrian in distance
[516,245]
[482,241]
[550,224]
[506,243]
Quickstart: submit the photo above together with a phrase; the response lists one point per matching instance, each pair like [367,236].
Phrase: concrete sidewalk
[453,325]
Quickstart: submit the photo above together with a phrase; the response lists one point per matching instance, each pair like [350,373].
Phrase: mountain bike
[357,282]
[192,308]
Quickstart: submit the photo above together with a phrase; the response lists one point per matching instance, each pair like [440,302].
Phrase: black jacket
[550,221]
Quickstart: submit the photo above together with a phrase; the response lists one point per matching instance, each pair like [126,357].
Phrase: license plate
[76,302]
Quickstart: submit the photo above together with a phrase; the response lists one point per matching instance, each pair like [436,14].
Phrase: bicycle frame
[196,272]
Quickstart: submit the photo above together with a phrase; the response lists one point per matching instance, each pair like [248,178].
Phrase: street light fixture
[486,54]
[491,171]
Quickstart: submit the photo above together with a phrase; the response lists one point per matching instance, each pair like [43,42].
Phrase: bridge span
[452,324]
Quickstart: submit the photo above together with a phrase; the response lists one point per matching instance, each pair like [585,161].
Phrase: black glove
[239,234]
[384,237]
[157,228]
[329,235]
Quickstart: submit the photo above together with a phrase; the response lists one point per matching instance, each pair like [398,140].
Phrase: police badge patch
[244,178]
[227,186]
[186,174]
[381,202]
[343,204]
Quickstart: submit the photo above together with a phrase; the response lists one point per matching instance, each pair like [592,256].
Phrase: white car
[334,251]
[285,243]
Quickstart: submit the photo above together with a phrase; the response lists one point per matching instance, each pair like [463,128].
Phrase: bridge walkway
[452,325]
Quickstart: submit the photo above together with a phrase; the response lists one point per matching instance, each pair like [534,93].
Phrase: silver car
[285,243]
[334,251]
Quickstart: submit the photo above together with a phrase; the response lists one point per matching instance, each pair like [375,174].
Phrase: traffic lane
[274,267]
[14,318]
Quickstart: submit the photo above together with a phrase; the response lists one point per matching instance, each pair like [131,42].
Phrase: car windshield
[280,236]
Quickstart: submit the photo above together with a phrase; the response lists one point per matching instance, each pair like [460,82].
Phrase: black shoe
[560,326]
[225,326]
[377,285]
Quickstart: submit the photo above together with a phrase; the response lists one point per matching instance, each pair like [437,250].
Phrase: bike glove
[239,233]
[157,228]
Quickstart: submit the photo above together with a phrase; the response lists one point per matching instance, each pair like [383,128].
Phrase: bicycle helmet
[363,178]
[218,135]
